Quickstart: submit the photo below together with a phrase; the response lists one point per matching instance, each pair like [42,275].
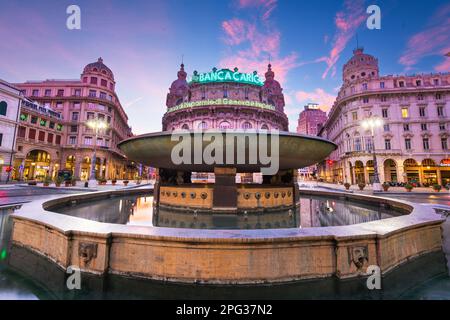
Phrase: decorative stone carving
[258,195]
[267,195]
[87,251]
[193,195]
[204,195]
[358,255]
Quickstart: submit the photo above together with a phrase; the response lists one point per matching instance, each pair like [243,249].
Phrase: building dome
[98,67]
[360,66]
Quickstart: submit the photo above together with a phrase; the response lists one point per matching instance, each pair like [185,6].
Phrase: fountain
[169,249]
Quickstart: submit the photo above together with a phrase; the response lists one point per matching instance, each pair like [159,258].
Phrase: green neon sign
[226,75]
[3,254]
[221,102]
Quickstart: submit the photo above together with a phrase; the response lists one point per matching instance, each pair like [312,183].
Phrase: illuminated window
[405,113]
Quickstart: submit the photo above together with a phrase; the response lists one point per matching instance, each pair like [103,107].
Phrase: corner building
[412,145]
[53,134]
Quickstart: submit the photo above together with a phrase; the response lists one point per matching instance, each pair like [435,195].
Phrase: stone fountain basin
[295,151]
[226,256]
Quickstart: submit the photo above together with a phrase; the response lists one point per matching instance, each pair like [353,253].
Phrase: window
[426,144]
[59,105]
[32,134]
[88,140]
[387,144]
[444,143]
[73,128]
[442,126]
[365,100]
[93,80]
[100,142]
[76,105]
[246,125]
[405,113]
[418,83]
[103,83]
[35,93]
[51,125]
[92,93]
[224,125]
[383,99]
[225,92]
[72,140]
[408,144]
[90,115]
[85,79]
[369,143]
[246,93]
[43,122]
[41,136]
[60,92]
[355,116]
[386,127]
[102,95]
[357,144]
[422,111]
[108,119]
[420,97]
[423,126]
[77,92]
[22,132]
[34,119]
[382,85]
[406,127]
[438,96]
[384,113]
[401,84]
[436,82]
[440,111]
[3,108]
[106,142]
[75,116]
[1,138]
[58,139]
[203,125]
[111,86]
[50,137]
[47,92]
[59,127]
[364,86]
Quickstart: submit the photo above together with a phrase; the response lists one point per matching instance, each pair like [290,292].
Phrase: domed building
[412,144]
[225,99]
[53,134]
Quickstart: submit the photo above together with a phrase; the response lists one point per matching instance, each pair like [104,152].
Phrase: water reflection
[312,212]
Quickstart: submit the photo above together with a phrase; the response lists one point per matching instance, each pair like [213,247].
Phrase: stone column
[77,168]
[400,173]
[225,189]
[438,176]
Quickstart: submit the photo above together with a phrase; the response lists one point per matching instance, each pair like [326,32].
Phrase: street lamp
[96,125]
[373,123]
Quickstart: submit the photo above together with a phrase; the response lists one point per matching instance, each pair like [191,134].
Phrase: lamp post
[96,125]
[373,123]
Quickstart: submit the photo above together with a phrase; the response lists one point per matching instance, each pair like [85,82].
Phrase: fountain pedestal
[225,190]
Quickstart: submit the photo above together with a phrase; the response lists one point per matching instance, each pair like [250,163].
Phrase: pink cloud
[347,22]
[433,40]
[258,41]
[267,6]
[444,66]
[319,95]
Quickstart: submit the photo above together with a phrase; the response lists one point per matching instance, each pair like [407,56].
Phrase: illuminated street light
[373,123]
[96,125]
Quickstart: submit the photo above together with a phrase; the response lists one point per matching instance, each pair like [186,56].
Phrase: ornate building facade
[9,111]
[225,99]
[412,145]
[53,133]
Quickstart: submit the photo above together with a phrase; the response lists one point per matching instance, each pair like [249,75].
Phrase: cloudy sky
[143,42]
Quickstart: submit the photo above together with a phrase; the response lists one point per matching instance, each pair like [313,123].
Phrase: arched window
[246,125]
[264,127]
[3,108]
[185,126]
[203,125]
[224,125]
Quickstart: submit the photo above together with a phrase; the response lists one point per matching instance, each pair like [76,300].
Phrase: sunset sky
[143,42]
